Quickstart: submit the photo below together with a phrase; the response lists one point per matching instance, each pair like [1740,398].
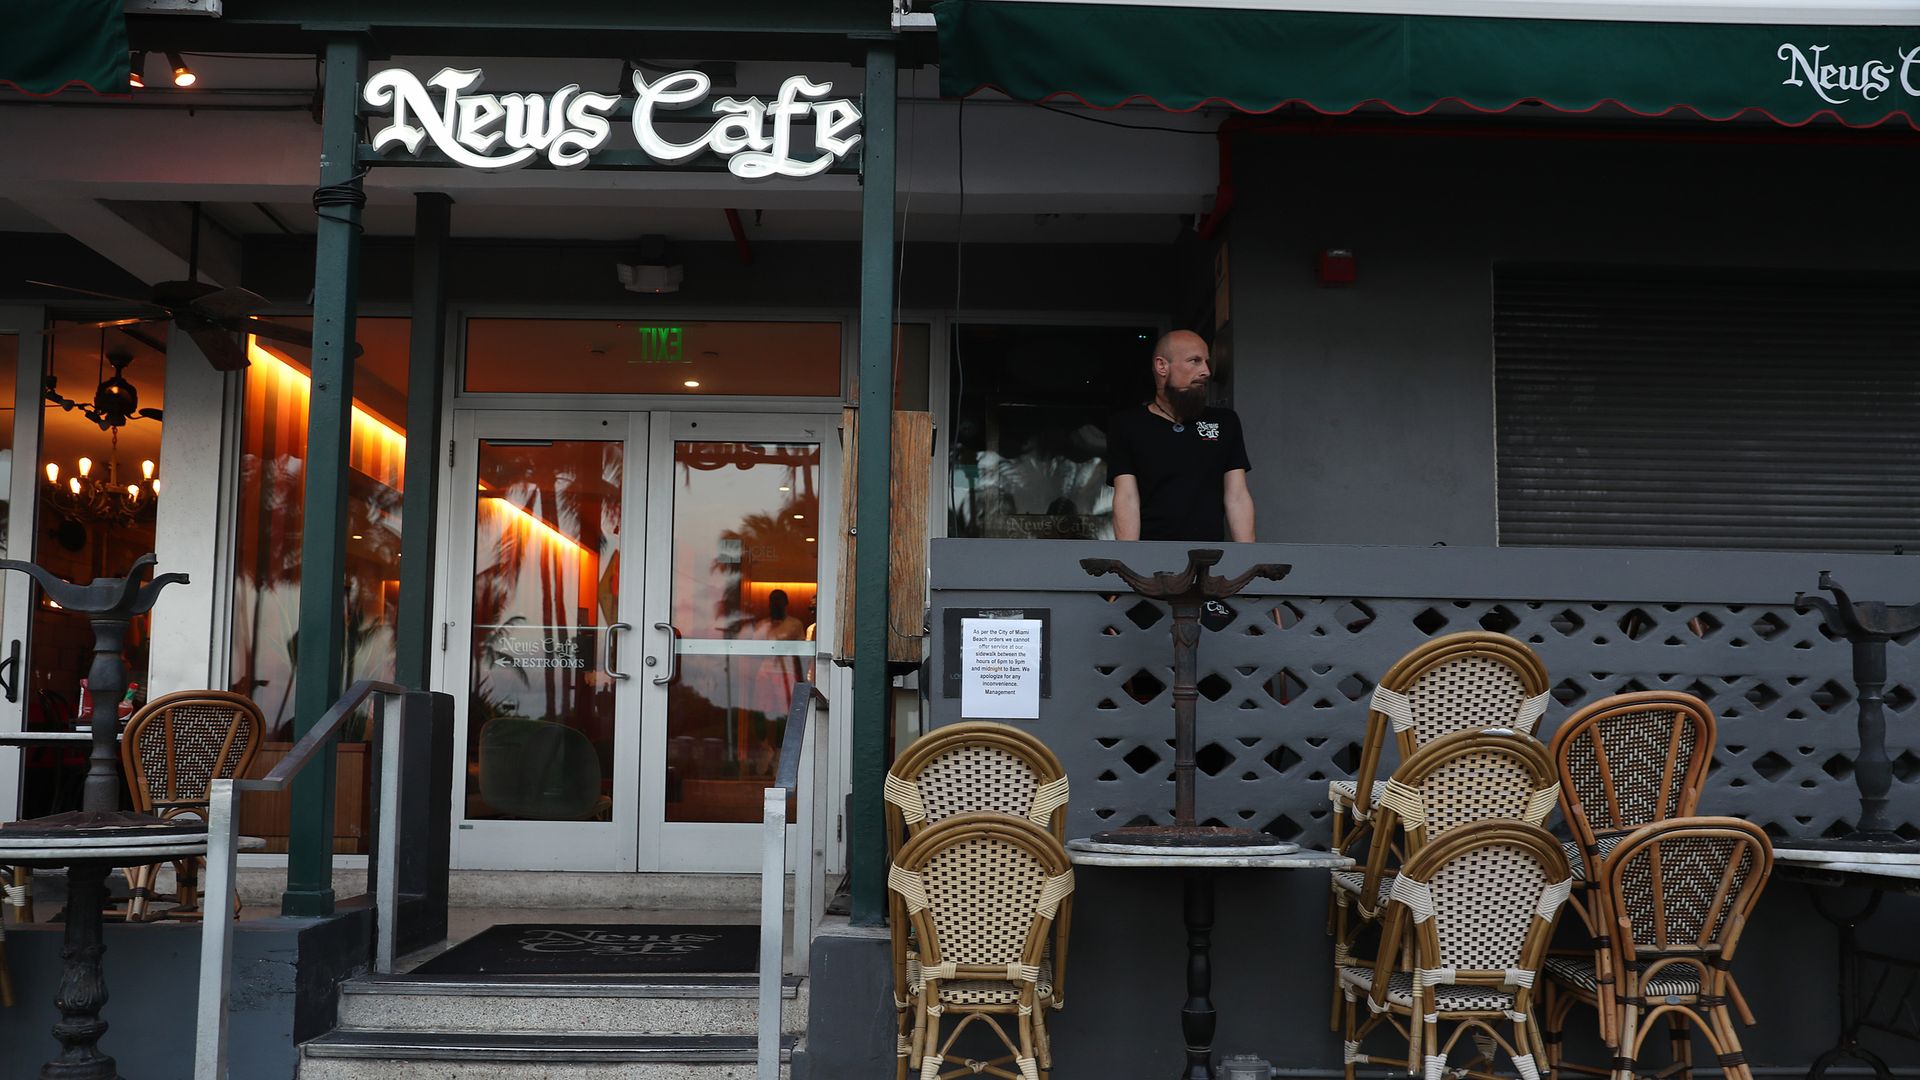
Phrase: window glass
[606,356]
[267,563]
[1027,456]
[911,366]
[97,482]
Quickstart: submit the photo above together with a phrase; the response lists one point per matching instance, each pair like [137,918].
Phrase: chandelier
[95,495]
[91,495]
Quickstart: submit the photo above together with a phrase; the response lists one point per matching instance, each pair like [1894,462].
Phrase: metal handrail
[794,745]
[322,732]
[223,838]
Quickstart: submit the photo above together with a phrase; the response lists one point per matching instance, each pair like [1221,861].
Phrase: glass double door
[632,599]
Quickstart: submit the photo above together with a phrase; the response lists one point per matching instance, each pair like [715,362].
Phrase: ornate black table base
[83,982]
[88,845]
[1199,871]
[1197,1016]
[1881,1003]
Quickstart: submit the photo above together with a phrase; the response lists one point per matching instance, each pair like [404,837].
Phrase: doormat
[601,949]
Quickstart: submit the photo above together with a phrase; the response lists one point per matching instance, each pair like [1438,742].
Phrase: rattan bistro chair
[982,891]
[1476,908]
[1451,683]
[969,767]
[172,750]
[1682,890]
[1492,774]
[1456,682]
[1626,761]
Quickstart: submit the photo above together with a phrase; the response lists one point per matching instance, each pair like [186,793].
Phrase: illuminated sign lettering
[660,345]
[495,132]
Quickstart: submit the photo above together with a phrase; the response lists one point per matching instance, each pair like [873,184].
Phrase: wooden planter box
[266,815]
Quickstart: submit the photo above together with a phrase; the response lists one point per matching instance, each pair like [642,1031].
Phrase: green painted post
[413,638]
[871,681]
[323,540]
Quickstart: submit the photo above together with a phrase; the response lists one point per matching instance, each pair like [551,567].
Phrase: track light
[137,70]
[182,74]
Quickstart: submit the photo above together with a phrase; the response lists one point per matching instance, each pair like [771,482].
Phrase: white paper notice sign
[1000,659]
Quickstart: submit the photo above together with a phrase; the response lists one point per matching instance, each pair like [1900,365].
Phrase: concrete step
[392,1055]
[666,1005]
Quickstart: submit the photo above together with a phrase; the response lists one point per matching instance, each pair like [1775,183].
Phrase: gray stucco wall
[286,974]
[1369,409]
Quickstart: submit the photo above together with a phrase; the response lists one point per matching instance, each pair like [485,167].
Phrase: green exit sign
[660,345]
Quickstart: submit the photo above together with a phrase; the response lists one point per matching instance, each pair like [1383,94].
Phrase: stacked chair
[1625,761]
[980,891]
[1452,684]
[1460,877]
[1476,910]
[1680,892]
[1459,779]
[1664,893]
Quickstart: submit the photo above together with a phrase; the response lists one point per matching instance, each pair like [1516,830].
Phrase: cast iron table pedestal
[88,846]
[1199,867]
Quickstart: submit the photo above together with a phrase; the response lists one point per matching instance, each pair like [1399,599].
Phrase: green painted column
[414,637]
[323,540]
[866,839]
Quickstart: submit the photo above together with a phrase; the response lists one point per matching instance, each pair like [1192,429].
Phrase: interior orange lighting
[375,447]
[534,523]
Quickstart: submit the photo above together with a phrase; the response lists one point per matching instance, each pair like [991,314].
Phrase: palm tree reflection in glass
[546,584]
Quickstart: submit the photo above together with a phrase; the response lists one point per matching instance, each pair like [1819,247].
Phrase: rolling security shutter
[1707,408]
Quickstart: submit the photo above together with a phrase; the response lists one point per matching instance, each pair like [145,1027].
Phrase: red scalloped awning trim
[126,95]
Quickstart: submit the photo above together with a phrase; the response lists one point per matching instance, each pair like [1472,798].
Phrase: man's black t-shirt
[1179,473]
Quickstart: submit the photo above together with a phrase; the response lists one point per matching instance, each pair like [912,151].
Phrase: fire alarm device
[1337,266]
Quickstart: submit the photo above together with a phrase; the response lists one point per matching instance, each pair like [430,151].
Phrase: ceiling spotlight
[799,517]
[691,384]
[137,70]
[183,75]
[809,539]
[357,536]
[785,487]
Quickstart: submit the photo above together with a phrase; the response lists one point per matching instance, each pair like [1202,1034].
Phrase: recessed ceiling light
[357,536]
[691,384]
[784,487]
[799,517]
[809,539]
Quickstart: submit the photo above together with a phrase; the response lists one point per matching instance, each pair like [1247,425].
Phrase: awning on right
[1257,58]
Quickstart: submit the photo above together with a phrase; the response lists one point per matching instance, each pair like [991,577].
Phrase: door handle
[673,653]
[606,650]
[10,673]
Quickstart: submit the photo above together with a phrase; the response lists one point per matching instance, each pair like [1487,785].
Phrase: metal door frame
[26,323]
[544,845]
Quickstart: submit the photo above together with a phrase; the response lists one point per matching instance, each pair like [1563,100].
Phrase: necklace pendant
[1178,428]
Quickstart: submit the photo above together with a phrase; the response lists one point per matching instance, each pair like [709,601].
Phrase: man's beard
[1187,404]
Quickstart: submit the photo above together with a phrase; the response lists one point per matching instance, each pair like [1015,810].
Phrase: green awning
[49,47]
[1259,60]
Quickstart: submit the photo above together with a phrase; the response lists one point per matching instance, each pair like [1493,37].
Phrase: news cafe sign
[1867,78]
[506,131]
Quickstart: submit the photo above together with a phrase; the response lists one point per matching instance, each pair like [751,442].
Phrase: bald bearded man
[1177,465]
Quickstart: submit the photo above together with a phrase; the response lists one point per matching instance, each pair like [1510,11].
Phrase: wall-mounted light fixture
[137,69]
[183,75]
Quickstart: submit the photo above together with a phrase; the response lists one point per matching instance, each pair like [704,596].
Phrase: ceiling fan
[115,401]
[214,317]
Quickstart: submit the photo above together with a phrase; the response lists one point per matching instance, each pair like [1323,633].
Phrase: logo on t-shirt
[1208,429]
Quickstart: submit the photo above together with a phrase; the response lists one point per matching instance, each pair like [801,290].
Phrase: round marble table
[88,846]
[1199,867]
